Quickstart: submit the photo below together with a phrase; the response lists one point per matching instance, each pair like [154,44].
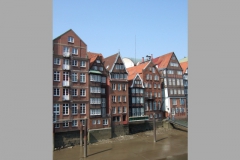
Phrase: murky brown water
[170,145]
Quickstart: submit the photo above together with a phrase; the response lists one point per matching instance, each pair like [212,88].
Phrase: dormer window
[70,39]
[98,61]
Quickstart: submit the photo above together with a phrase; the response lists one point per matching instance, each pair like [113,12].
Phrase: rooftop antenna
[135,49]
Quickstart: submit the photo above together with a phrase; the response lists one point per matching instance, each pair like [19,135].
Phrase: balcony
[66,97]
[66,67]
[66,54]
[66,84]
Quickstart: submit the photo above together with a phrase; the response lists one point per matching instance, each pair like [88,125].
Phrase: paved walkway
[171,145]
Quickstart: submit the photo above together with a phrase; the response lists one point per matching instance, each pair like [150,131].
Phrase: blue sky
[107,26]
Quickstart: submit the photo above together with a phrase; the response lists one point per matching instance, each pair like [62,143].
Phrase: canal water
[171,145]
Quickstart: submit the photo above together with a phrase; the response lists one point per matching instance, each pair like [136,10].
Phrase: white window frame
[57,125]
[56,76]
[56,109]
[82,108]
[74,92]
[75,51]
[113,98]
[94,121]
[113,86]
[74,109]
[83,122]
[113,110]
[103,79]
[82,77]
[65,109]
[74,63]
[70,39]
[105,121]
[82,92]
[119,109]
[124,109]
[83,64]
[56,61]
[74,77]
[119,86]
[65,124]
[98,121]
[74,123]
[174,101]
[56,92]
[119,98]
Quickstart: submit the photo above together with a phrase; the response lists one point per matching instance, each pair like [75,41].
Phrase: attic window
[173,58]
[98,61]
[70,39]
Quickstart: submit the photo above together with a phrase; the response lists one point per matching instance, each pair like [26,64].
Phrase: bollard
[81,136]
[85,139]
[154,128]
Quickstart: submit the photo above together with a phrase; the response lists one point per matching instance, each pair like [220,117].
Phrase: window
[179,72]
[146,84]
[65,109]
[104,102]
[159,105]
[155,115]
[181,80]
[155,94]
[124,98]
[113,110]
[176,110]
[56,61]
[57,125]
[124,87]
[95,90]
[94,67]
[116,119]
[182,91]
[174,101]
[74,123]
[173,82]
[119,98]
[150,68]
[150,105]
[178,82]
[113,86]
[65,124]
[74,51]
[65,76]
[82,108]
[116,66]
[153,70]
[171,91]
[95,78]
[66,49]
[159,115]
[149,85]
[164,72]
[150,77]
[173,58]
[182,101]
[124,109]
[170,72]
[74,77]
[169,81]
[146,106]
[175,91]
[159,94]
[154,106]
[56,92]
[74,92]
[147,77]
[151,116]
[119,87]
[70,39]
[113,98]
[159,86]
[155,85]
[103,79]
[103,90]
[56,110]
[98,121]
[95,100]
[82,77]
[93,121]
[65,92]
[83,64]
[165,81]
[119,110]
[105,122]
[98,61]
[125,76]
[83,122]
[179,91]
[173,111]
[56,76]
[82,92]
[74,108]
[95,112]
[100,68]
[74,63]
[133,99]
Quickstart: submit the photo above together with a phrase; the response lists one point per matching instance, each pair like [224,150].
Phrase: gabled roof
[133,71]
[93,56]
[163,61]
[70,30]
[109,61]
[184,66]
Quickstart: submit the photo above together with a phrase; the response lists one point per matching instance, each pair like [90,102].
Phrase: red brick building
[117,91]
[70,82]
[144,91]
[174,100]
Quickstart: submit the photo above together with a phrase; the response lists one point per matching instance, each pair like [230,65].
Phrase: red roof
[163,61]
[93,56]
[184,66]
[133,71]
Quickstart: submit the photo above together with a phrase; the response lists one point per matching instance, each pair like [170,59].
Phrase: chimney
[142,59]
[151,56]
